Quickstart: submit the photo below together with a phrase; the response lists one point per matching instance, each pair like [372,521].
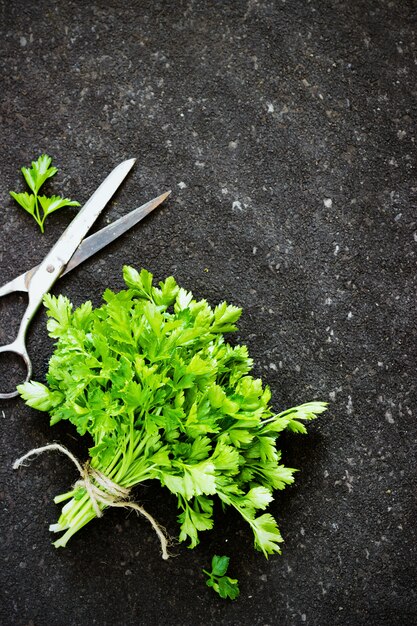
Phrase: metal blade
[109,233]
[91,244]
[17,284]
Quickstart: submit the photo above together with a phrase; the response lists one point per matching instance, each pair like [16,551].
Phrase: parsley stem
[64,496]
[37,214]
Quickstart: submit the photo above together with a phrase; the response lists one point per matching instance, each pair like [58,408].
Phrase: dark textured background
[286,130]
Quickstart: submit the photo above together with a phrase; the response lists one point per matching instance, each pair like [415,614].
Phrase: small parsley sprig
[35,177]
[150,377]
[226,587]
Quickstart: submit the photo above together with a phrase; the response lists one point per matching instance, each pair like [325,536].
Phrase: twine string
[100,489]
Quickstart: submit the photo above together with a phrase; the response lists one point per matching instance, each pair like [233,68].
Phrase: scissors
[70,250]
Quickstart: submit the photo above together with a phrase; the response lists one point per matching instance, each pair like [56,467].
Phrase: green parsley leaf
[35,177]
[219,565]
[49,205]
[228,588]
[39,172]
[39,396]
[267,535]
[216,579]
[27,201]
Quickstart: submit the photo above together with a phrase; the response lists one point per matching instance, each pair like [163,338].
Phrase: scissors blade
[92,244]
[109,233]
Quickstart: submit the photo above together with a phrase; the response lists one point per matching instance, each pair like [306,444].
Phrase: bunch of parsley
[151,378]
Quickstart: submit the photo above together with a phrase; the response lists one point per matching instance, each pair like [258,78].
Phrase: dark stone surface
[287,132]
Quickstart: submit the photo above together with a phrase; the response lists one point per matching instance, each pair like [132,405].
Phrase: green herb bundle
[151,378]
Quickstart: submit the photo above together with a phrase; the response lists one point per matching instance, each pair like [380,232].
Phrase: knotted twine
[108,492]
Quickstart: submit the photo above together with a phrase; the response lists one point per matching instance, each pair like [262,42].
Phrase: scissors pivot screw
[50,269]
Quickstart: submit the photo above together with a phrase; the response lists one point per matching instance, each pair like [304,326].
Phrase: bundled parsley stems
[150,377]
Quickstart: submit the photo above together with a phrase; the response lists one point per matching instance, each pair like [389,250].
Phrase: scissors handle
[18,347]
[46,275]
[48,272]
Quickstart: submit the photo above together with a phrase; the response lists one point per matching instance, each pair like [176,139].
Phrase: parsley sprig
[216,579]
[150,377]
[35,177]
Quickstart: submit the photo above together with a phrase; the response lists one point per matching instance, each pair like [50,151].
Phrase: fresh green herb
[150,377]
[226,587]
[35,177]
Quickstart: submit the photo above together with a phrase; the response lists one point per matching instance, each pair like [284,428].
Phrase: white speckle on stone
[182,185]
[398,217]
[302,531]
[332,396]
[254,250]
[270,107]
[225,191]
[328,301]
[349,406]
[401,134]
[23,41]
[328,203]
[388,417]
[349,480]
[303,617]
[200,164]
[336,249]
[298,369]
[380,364]
[237,205]
[233,145]
[350,315]
[415,236]
[272,366]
